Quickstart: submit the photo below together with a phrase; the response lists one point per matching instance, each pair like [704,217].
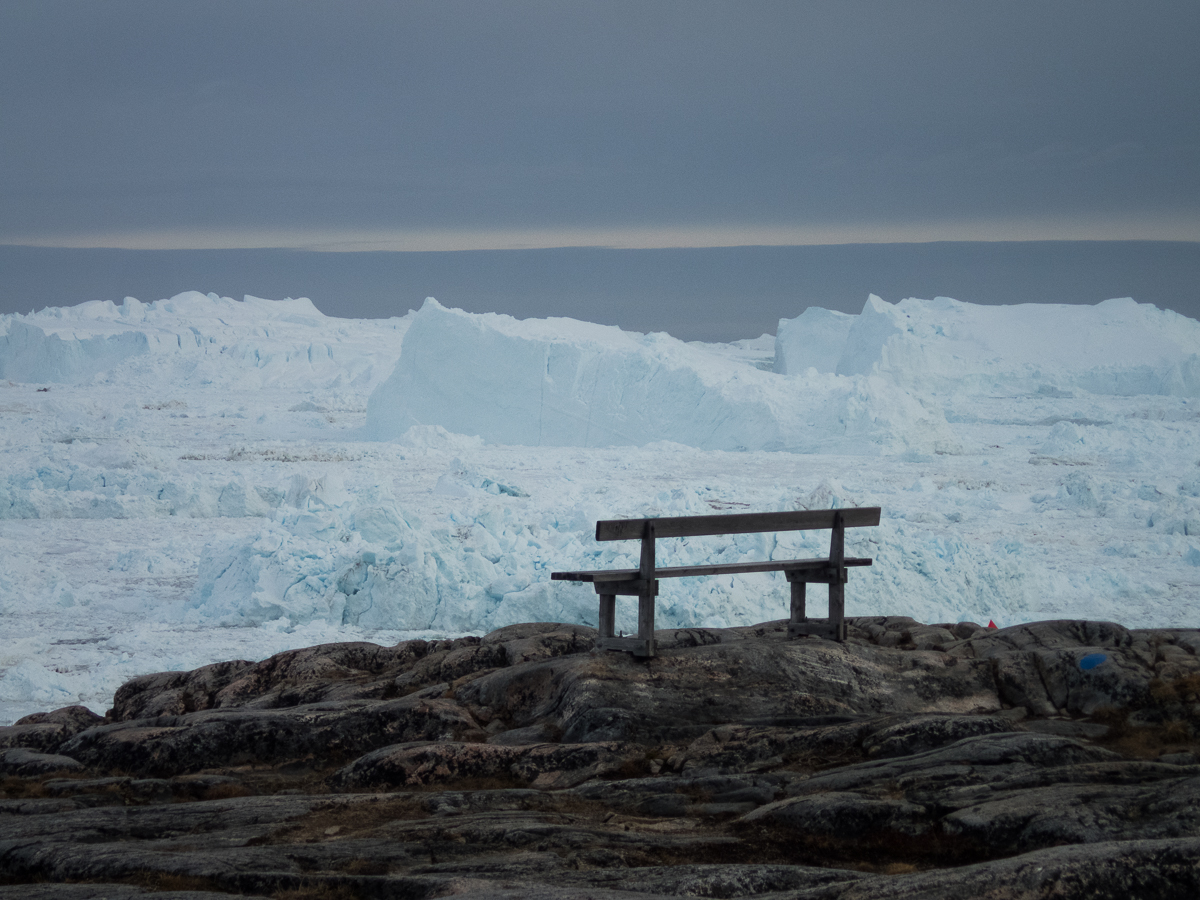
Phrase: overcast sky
[457,125]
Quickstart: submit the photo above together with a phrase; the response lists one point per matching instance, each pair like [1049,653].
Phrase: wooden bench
[642,582]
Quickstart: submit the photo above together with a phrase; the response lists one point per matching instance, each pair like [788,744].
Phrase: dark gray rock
[1051,759]
[47,731]
[916,734]
[43,737]
[1041,665]
[1068,728]
[841,814]
[106,892]
[1015,821]
[974,760]
[530,734]
[1162,870]
[1186,758]
[73,719]
[723,881]
[19,761]
[684,692]
[550,766]
[176,745]
[173,693]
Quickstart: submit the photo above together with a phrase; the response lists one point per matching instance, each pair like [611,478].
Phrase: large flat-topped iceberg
[1116,347]
[561,382]
[30,353]
[197,337]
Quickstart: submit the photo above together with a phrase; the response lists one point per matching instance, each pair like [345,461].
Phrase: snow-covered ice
[200,478]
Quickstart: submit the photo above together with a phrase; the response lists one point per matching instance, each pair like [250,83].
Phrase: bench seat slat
[738,523]
[783,565]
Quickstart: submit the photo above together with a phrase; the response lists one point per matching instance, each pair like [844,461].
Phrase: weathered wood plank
[646,570]
[777,565]
[738,523]
[633,588]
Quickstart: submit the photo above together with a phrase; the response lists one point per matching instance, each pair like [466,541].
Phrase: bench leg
[837,587]
[646,620]
[837,609]
[834,627]
[643,644]
[608,615]
[798,611]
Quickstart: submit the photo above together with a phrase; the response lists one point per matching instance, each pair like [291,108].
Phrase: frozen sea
[199,478]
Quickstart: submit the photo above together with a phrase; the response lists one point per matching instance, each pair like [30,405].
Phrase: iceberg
[1118,347]
[194,337]
[813,340]
[565,383]
[29,353]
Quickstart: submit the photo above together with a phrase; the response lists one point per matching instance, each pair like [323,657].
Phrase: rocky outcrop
[19,761]
[48,730]
[1055,758]
[314,734]
[444,762]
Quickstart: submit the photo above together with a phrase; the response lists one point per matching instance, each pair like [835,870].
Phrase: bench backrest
[738,523]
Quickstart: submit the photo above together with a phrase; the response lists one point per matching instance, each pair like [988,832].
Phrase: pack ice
[200,478]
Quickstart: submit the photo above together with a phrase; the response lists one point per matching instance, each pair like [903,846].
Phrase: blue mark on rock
[1092,660]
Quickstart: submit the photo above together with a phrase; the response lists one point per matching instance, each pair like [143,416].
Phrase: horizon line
[506,249]
[698,238]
